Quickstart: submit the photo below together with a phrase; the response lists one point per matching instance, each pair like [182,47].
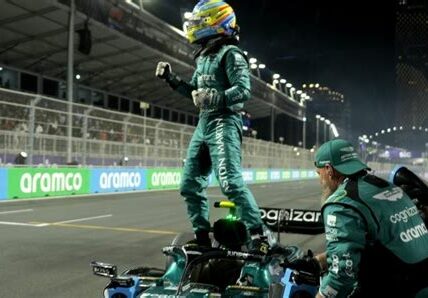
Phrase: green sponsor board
[304,174]
[286,175]
[41,182]
[169,178]
[262,175]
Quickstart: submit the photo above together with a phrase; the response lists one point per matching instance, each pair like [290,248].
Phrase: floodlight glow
[283,81]
[262,66]
[253,60]
[334,130]
[253,66]
[276,76]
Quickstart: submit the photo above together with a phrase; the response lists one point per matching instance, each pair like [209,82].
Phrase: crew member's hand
[206,98]
[163,70]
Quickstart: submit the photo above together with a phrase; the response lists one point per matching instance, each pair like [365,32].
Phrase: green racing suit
[377,242]
[216,141]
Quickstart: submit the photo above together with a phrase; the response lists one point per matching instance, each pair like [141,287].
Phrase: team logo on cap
[347,149]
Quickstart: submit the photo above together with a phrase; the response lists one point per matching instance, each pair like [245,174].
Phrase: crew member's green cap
[341,155]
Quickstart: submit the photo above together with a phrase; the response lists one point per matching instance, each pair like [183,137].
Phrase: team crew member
[219,87]
[377,243]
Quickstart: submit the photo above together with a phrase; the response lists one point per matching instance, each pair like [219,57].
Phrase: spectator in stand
[246,120]
[39,129]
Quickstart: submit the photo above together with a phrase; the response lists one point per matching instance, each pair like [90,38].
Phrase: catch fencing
[38,125]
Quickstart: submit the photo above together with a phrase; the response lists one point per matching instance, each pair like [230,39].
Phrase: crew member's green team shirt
[386,215]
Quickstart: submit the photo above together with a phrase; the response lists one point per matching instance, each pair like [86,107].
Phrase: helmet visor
[192,23]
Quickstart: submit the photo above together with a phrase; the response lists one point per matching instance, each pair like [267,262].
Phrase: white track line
[16,211]
[11,223]
[81,219]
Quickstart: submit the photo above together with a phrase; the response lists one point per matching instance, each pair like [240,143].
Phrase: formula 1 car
[226,269]
[413,186]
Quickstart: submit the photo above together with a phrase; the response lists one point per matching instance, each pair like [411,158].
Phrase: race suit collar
[214,44]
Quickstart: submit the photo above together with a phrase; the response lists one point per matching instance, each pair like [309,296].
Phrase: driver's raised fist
[163,70]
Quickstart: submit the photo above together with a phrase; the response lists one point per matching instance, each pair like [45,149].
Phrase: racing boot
[202,239]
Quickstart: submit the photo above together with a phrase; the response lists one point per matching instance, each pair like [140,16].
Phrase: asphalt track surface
[46,245]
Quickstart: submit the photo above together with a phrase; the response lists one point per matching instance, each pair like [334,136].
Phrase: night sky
[347,46]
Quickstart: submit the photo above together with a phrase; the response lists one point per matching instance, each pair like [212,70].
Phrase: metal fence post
[182,156]
[31,128]
[125,136]
[157,133]
[70,73]
[85,135]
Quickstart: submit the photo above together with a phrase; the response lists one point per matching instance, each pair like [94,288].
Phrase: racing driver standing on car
[219,87]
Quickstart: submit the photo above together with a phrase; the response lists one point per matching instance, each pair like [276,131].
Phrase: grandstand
[119,108]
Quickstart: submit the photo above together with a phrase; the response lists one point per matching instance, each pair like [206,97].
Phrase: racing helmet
[208,19]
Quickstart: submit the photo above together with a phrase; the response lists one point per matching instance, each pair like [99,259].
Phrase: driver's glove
[163,70]
[207,99]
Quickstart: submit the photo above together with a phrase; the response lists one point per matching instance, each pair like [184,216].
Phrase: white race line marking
[81,219]
[43,224]
[16,211]
[11,223]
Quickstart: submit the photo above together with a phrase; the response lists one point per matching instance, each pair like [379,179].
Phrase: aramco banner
[16,183]
[41,182]
[167,178]
[117,180]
